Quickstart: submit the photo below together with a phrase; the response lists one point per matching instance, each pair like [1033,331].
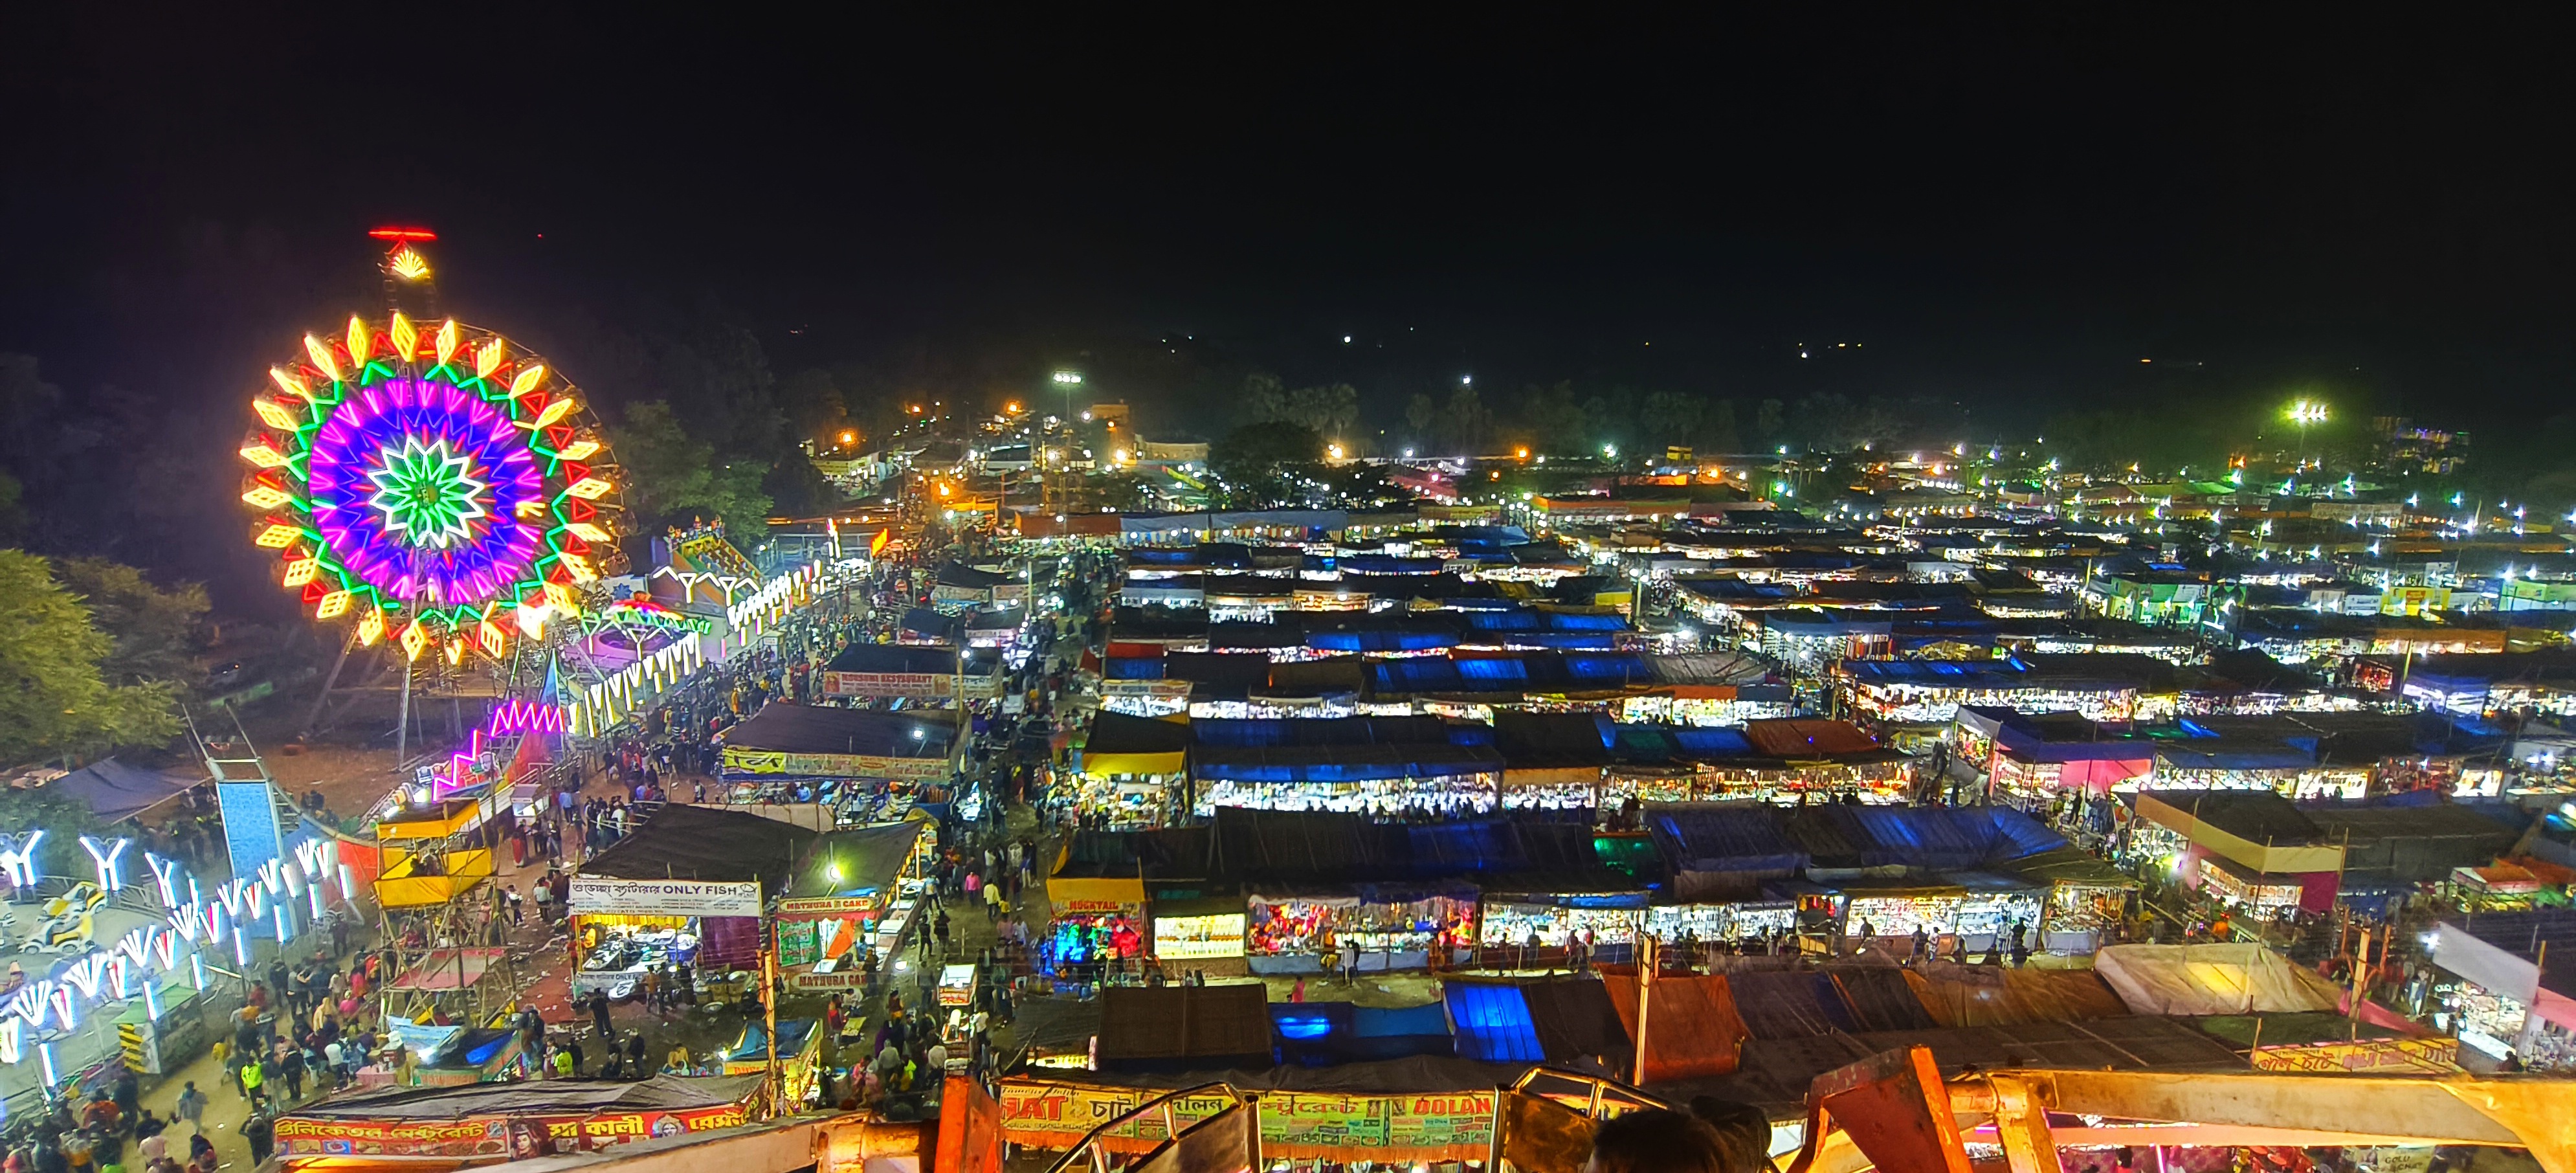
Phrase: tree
[1420,413]
[54,696]
[1462,422]
[155,633]
[815,407]
[671,478]
[1552,417]
[1671,418]
[1252,460]
[1766,422]
[1718,431]
[1329,410]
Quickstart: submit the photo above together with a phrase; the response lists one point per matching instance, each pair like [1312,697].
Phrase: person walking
[192,1107]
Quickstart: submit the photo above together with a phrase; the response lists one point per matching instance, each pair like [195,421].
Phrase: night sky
[2010,214]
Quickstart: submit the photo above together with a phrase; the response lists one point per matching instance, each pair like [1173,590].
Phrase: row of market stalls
[1414,1083]
[1302,892]
[712,888]
[1139,772]
[2259,851]
[2038,759]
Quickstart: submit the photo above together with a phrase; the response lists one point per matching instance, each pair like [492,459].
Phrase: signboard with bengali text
[605,896]
[833,765]
[485,1137]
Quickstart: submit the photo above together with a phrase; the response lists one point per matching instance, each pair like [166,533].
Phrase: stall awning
[1072,894]
[2183,813]
[2231,978]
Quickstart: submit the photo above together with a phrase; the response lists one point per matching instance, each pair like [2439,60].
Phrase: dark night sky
[2010,213]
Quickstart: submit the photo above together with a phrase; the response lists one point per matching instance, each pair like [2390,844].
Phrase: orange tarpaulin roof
[1694,1029]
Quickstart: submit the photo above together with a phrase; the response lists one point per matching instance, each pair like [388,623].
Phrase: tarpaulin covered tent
[855,861]
[115,791]
[827,741]
[1123,744]
[1305,847]
[1987,995]
[1575,1022]
[1492,1022]
[1722,851]
[682,842]
[1184,1028]
[1942,838]
[1789,1004]
[1692,1028]
[2231,978]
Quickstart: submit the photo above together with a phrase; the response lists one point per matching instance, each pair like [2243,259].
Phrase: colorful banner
[833,765]
[600,895]
[911,684]
[1448,1126]
[492,1136]
[812,907]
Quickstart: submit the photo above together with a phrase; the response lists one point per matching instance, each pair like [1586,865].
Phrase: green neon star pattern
[428,493]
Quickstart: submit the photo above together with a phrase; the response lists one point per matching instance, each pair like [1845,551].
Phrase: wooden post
[1646,963]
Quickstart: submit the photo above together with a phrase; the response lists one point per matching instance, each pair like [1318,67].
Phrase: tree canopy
[672,479]
[1253,461]
[55,693]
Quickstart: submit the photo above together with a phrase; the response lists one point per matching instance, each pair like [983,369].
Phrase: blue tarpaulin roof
[1942,838]
[113,790]
[1493,1023]
[1697,838]
[1378,1022]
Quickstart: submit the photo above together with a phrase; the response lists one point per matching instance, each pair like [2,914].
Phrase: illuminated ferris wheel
[435,484]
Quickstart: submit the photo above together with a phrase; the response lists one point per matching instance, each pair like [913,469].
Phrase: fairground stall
[688,887]
[2253,849]
[1733,922]
[2034,762]
[876,672]
[799,1054]
[1096,915]
[1604,911]
[853,894]
[1977,908]
[1782,761]
[1553,761]
[1359,927]
[861,763]
[2088,898]
[1380,766]
[1196,929]
[2495,991]
[1130,773]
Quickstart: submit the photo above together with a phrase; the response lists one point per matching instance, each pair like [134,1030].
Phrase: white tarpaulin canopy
[2211,979]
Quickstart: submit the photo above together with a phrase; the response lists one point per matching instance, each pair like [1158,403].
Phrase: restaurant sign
[834,765]
[932,685]
[604,896]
